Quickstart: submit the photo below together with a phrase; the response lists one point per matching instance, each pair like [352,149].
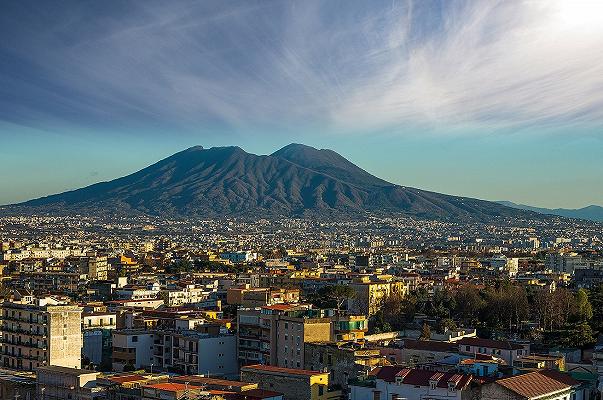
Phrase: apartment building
[276,335]
[247,296]
[40,332]
[563,261]
[96,267]
[190,294]
[96,346]
[186,351]
[371,291]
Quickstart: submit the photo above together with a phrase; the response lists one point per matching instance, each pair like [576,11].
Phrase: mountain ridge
[592,212]
[296,180]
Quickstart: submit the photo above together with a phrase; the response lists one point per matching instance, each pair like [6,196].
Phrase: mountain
[592,213]
[294,181]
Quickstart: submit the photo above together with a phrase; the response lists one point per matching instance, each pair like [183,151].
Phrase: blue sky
[496,100]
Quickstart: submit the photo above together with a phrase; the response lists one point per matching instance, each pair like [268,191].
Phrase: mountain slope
[296,180]
[592,213]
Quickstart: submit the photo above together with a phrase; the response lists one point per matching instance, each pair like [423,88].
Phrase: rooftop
[280,370]
[533,384]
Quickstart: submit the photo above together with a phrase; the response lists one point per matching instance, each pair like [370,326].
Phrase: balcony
[9,329]
[23,344]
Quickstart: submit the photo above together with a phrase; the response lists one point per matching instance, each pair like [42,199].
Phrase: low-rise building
[295,384]
[396,382]
[54,382]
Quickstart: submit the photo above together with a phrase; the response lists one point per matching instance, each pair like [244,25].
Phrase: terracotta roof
[290,371]
[168,387]
[532,384]
[126,378]
[194,379]
[560,376]
[253,394]
[281,307]
[494,344]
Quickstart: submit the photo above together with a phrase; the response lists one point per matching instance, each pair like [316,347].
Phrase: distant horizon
[269,153]
[490,100]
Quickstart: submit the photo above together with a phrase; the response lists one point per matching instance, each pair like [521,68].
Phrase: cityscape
[164,235]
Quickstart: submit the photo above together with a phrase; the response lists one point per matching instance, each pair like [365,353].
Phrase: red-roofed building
[169,391]
[551,385]
[412,383]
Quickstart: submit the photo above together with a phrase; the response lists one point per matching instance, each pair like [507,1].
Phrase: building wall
[218,356]
[294,387]
[65,338]
[36,336]
[136,348]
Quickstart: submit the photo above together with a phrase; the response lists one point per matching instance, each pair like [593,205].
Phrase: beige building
[370,293]
[67,383]
[296,384]
[40,332]
[276,335]
[96,267]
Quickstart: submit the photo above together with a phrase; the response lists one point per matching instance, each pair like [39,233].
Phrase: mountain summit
[293,181]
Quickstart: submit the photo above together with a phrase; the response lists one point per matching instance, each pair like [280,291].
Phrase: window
[467,348]
[134,339]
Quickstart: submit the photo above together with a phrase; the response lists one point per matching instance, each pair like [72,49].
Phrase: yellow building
[295,384]
[370,293]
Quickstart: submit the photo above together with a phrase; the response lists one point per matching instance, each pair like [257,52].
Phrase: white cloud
[352,65]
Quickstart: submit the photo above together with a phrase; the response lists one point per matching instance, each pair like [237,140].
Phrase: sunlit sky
[494,100]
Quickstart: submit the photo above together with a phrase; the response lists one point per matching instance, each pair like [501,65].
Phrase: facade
[276,335]
[40,332]
[563,261]
[97,344]
[508,351]
[184,351]
[370,294]
[416,352]
[295,384]
[53,383]
[395,382]
[96,267]
[186,295]
[342,361]
[247,296]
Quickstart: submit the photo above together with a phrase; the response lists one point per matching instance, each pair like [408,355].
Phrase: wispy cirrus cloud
[359,66]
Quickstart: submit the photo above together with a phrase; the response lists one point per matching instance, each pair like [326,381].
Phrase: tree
[446,324]
[596,299]
[425,332]
[339,294]
[583,306]
[579,336]
[129,368]
[468,303]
